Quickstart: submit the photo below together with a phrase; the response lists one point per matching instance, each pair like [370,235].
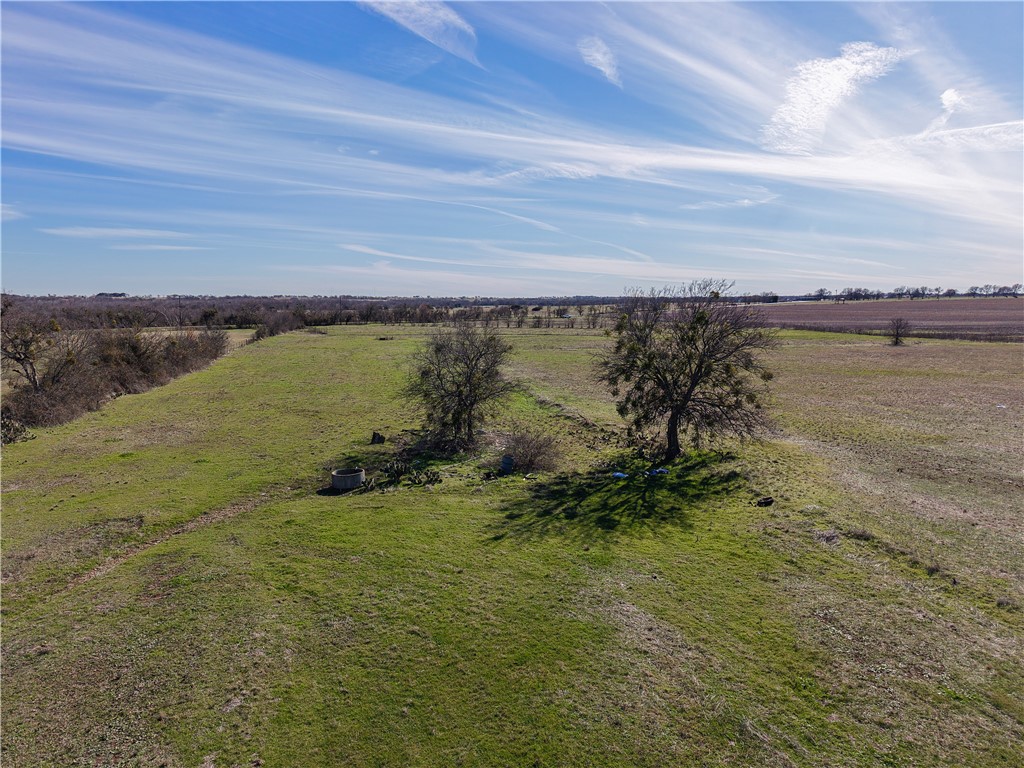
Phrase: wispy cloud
[551,261]
[184,137]
[109,232]
[597,54]
[952,101]
[383,278]
[819,87]
[491,160]
[1002,137]
[554,170]
[757,196]
[524,219]
[776,255]
[9,213]
[714,64]
[937,59]
[158,247]
[434,22]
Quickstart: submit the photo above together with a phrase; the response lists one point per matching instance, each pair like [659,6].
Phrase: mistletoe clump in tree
[687,360]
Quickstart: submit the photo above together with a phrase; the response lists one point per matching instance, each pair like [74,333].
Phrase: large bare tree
[457,378]
[687,360]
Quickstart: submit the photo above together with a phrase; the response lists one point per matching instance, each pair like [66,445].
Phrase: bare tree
[457,378]
[897,330]
[686,360]
[31,344]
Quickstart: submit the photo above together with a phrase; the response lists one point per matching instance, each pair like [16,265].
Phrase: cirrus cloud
[103,232]
[435,22]
[817,89]
[597,54]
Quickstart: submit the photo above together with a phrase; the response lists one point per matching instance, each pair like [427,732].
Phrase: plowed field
[989,319]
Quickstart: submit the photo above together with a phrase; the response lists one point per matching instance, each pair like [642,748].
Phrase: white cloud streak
[109,232]
[8,213]
[1002,137]
[158,247]
[757,196]
[597,54]
[818,88]
[433,21]
[716,64]
[534,262]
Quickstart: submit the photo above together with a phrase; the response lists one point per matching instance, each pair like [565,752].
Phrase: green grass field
[179,590]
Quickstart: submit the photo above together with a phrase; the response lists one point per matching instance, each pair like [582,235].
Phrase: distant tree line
[1012,291]
[268,316]
[919,292]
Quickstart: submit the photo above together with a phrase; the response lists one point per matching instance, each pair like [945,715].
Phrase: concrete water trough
[347,479]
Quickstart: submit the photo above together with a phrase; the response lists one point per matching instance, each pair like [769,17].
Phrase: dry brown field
[982,319]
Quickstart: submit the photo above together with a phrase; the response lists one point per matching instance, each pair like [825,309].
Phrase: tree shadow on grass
[589,507]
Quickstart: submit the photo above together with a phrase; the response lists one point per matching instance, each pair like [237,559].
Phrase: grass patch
[571,619]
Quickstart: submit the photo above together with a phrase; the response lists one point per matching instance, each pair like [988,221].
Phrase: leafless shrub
[277,322]
[860,534]
[830,536]
[72,372]
[190,350]
[532,449]
[131,358]
[897,330]
[81,391]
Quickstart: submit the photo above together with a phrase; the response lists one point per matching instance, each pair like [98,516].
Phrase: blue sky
[424,148]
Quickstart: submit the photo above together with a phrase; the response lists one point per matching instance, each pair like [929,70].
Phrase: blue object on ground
[660,471]
[620,475]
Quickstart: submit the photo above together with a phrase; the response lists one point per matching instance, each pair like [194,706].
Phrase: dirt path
[203,520]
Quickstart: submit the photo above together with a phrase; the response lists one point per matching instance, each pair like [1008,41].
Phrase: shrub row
[77,371]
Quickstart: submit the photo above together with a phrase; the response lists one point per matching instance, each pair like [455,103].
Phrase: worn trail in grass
[570,620]
[266,417]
